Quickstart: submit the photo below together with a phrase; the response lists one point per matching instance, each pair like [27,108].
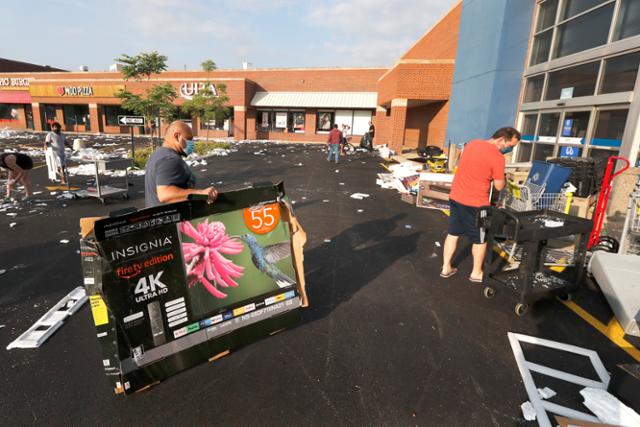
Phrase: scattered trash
[438,244]
[359,196]
[13,224]
[408,226]
[528,411]
[41,330]
[327,240]
[12,214]
[2,271]
[325,201]
[2,326]
[546,393]
[608,408]
[304,197]
[526,368]
[337,170]
[65,241]
[299,164]
[341,183]
[360,210]
[53,193]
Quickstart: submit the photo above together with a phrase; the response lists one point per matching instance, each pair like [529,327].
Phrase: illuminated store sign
[188,90]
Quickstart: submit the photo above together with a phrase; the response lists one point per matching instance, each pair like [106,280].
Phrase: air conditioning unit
[83,68]
[115,67]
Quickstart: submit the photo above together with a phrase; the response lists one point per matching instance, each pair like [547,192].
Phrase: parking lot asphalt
[385,340]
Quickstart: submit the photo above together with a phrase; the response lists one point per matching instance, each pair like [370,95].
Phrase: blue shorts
[462,222]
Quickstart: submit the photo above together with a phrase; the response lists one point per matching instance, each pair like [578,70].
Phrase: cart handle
[626,166]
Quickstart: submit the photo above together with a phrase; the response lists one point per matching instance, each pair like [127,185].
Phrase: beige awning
[315,99]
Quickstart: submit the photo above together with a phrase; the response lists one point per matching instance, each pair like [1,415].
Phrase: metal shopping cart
[630,240]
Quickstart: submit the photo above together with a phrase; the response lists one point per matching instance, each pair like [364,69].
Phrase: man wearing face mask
[482,163]
[168,178]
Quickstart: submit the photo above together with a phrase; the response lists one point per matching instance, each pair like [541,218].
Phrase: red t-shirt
[334,136]
[481,162]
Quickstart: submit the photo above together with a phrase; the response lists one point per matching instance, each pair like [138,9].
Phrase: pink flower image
[204,260]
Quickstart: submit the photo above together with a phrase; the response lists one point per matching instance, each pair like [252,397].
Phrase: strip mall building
[408,102]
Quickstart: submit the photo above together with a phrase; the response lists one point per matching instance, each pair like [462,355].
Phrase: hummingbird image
[265,258]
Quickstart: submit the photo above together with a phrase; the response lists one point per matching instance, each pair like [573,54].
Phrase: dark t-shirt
[372,131]
[165,167]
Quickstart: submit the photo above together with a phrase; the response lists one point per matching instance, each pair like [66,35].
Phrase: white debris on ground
[359,196]
[528,411]
[608,408]
[89,169]
[546,393]
[64,241]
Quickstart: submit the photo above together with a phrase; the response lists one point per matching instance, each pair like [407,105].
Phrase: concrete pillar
[37,116]
[398,123]
[251,124]
[94,118]
[239,122]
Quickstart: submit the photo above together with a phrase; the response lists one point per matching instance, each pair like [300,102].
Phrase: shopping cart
[530,197]
[630,238]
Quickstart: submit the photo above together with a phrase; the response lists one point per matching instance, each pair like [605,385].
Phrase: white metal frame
[542,406]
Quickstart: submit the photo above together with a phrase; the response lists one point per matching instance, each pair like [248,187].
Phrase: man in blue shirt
[168,178]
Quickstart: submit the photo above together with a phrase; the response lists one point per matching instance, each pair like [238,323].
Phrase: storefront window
[548,127]
[609,128]
[573,82]
[325,120]
[111,113]
[620,73]
[76,115]
[541,47]
[542,151]
[524,151]
[546,15]
[296,122]
[528,128]
[601,155]
[574,127]
[574,7]
[628,20]
[263,121]
[9,112]
[584,32]
[533,89]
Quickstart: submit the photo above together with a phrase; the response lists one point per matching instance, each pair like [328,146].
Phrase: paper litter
[546,393]
[13,224]
[528,411]
[65,241]
[608,408]
[359,196]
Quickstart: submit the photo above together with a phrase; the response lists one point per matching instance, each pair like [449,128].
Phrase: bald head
[177,135]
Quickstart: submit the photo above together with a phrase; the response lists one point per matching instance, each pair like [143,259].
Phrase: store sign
[14,83]
[566,93]
[188,90]
[75,90]
[99,91]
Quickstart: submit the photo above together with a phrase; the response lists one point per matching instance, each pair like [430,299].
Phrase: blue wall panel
[490,58]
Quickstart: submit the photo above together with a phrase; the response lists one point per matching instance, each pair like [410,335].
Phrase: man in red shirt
[334,143]
[481,163]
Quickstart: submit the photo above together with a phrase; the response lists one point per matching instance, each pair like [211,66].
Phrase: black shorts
[462,222]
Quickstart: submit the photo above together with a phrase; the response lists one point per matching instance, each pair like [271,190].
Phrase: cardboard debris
[570,422]
[159,306]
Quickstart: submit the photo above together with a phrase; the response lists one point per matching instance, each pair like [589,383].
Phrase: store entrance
[28,115]
[572,132]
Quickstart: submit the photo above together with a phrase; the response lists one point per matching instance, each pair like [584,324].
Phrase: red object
[481,162]
[14,97]
[334,136]
[603,198]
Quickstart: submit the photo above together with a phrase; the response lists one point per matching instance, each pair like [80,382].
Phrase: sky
[266,33]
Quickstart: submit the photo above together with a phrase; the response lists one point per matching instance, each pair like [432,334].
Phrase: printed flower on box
[204,260]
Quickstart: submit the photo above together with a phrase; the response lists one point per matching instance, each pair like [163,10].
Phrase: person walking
[57,141]
[345,138]
[481,163]
[168,178]
[334,143]
[18,165]
[371,134]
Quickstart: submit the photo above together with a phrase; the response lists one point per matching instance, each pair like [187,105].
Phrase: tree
[208,65]
[208,104]
[157,101]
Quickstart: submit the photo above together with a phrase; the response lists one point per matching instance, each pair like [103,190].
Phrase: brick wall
[441,40]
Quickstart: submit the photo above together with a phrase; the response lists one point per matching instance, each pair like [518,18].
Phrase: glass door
[573,134]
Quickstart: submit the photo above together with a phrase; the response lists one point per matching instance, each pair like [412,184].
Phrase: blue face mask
[506,150]
[191,145]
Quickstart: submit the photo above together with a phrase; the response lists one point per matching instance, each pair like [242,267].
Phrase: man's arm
[171,193]
[499,184]
[18,172]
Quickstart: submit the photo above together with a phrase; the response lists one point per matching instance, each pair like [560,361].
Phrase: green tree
[208,104]
[157,101]
[208,65]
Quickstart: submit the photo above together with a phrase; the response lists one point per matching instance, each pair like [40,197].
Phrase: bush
[201,149]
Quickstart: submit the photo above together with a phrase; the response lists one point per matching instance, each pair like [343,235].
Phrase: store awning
[315,99]
[14,97]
